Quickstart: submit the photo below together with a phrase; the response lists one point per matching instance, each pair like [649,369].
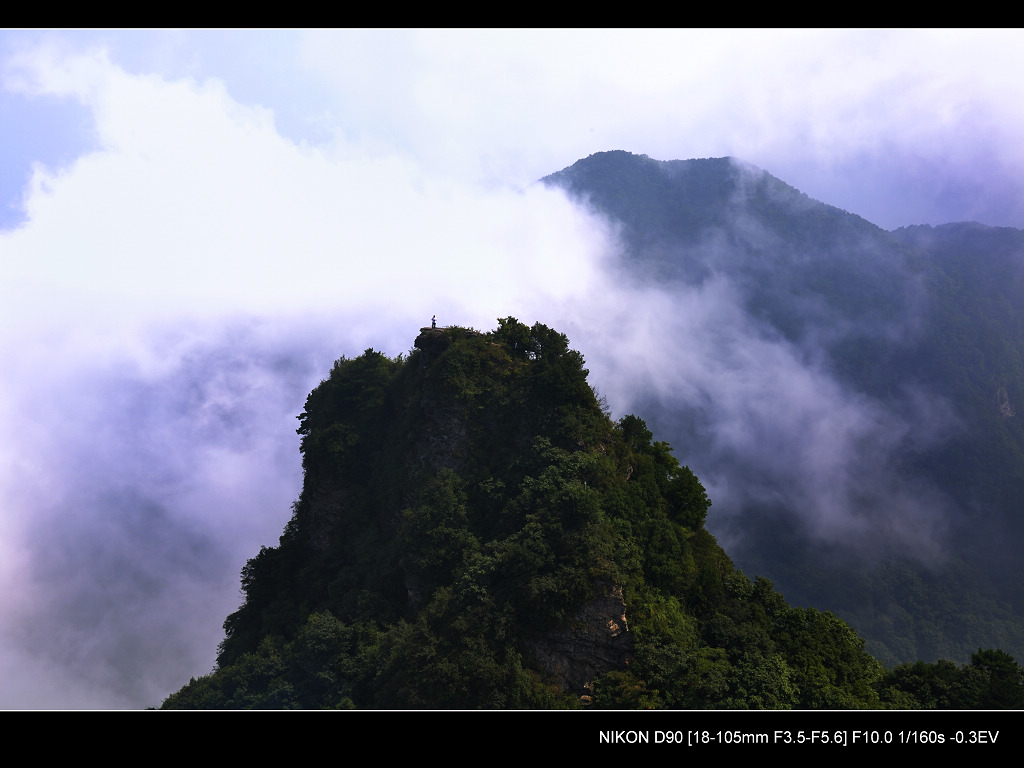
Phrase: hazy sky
[194,225]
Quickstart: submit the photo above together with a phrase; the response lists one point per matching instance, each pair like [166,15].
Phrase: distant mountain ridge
[920,331]
[678,199]
[688,219]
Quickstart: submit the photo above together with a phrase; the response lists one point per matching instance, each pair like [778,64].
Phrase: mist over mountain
[195,224]
[849,400]
[847,396]
[846,393]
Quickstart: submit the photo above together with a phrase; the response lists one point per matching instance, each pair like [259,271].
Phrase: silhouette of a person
[433,322]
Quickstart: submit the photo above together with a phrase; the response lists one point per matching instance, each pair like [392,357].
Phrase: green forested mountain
[894,496]
[474,531]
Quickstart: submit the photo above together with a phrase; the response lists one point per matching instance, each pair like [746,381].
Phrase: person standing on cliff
[433,322]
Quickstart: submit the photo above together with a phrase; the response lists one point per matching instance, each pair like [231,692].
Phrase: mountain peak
[474,531]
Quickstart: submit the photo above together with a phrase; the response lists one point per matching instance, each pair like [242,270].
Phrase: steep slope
[800,264]
[890,490]
[474,531]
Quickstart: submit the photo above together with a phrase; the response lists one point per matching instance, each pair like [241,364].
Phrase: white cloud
[196,204]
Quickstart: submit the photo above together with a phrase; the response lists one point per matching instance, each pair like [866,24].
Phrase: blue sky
[195,224]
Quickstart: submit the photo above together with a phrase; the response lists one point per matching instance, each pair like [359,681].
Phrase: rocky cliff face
[443,441]
[593,642]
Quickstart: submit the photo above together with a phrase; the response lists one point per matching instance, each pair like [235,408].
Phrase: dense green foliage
[462,504]
[992,680]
